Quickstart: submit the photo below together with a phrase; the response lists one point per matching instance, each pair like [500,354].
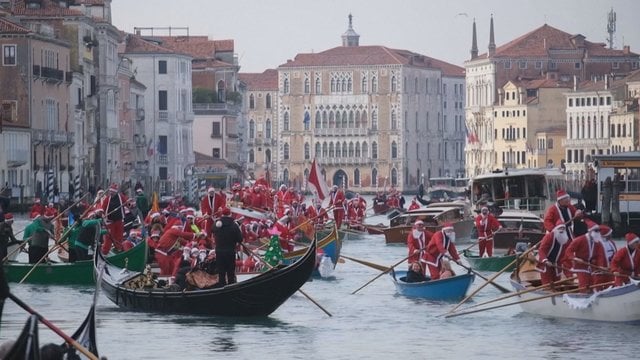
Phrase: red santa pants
[115,234]
[168,262]
[549,276]
[338,216]
[486,245]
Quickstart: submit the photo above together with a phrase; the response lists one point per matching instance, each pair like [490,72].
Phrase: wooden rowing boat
[258,296]
[449,289]
[493,263]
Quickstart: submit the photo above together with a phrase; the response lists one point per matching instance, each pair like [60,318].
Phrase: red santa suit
[552,249]
[36,210]
[610,248]
[290,196]
[414,205]
[284,226]
[337,202]
[486,224]
[586,249]
[557,212]
[626,261]
[417,245]
[439,245]
[257,199]
[209,206]
[167,253]
[113,207]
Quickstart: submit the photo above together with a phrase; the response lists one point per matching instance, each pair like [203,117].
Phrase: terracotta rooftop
[371,55]
[89,2]
[137,44]
[267,80]
[47,8]
[8,27]
[209,63]
[545,39]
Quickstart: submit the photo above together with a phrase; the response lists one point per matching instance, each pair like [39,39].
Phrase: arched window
[351,120]
[318,120]
[318,150]
[345,151]
[345,120]
[374,120]
[285,151]
[332,152]
[374,150]
[394,120]
[357,120]
[349,85]
[285,87]
[374,84]
[394,177]
[365,85]
[267,129]
[374,177]
[307,86]
[267,156]
[252,129]
[285,176]
[306,173]
[394,150]
[339,151]
[358,149]
[344,85]
[318,88]
[268,101]
[333,85]
[324,120]
[285,121]
[394,84]
[306,120]
[252,158]
[363,119]
[356,176]
[351,150]
[332,122]
[324,149]
[307,151]
[365,150]
[221,92]
[252,102]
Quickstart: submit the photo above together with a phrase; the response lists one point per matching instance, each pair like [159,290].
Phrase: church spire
[492,40]
[350,37]
[474,42]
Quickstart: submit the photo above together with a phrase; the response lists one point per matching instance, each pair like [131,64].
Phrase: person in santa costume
[601,276]
[167,251]
[113,207]
[586,250]
[563,210]
[209,206]
[336,201]
[414,205]
[417,241]
[37,209]
[441,244]
[487,225]
[551,253]
[626,261]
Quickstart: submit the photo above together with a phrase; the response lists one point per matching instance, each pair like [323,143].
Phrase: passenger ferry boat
[532,190]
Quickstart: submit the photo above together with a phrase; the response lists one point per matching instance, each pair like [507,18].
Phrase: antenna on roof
[611,27]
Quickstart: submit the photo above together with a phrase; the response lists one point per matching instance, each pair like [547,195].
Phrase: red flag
[317,182]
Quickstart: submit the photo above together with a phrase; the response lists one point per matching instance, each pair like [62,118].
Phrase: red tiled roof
[8,27]
[199,47]
[544,83]
[224,45]
[371,55]
[136,44]
[267,80]
[545,39]
[47,8]
[210,63]
[89,2]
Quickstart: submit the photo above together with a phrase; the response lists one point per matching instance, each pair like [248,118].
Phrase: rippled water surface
[375,323]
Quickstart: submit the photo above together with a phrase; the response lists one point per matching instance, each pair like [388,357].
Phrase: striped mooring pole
[50,181]
[76,187]
[203,187]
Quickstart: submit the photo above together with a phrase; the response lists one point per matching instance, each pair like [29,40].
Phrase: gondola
[329,245]
[258,296]
[76,273]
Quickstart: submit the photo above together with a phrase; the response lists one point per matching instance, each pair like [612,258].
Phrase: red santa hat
[447,226]
[225,211]
[113,187]
[182,209]
[50,213]
[8,217]
[560,224]
[419,222]
[631,238]
[605,230]
[211,189]
[592,225]
[561,194]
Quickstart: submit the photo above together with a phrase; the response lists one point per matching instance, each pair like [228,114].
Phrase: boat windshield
[513,192]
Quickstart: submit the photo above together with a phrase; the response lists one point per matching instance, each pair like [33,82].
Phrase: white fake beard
[416,233]
[451,236]
[562,237]
[596,236]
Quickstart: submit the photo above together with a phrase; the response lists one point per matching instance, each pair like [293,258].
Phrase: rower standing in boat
[6,234]
[227,235]
[209,206]
[552,253]
[442,242]
[561,210]
[113,206]
[487,225]
[38,234]
[610,249]
[586,250]
[626,261]
[417,241]
[336,201]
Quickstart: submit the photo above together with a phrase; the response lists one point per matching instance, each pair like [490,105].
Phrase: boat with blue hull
[449,289]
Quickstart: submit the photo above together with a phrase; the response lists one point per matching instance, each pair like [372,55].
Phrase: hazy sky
[268,32]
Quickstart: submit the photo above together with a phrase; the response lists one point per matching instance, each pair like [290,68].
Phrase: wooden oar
[518,293]
[382,273]
[55,329]
[366,263]
[526,300]
[497,286]
[61,213]
[522,256]
[475,243]
[22,245]
[299,290]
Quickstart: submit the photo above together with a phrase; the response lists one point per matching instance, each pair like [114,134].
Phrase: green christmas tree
[273,255]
